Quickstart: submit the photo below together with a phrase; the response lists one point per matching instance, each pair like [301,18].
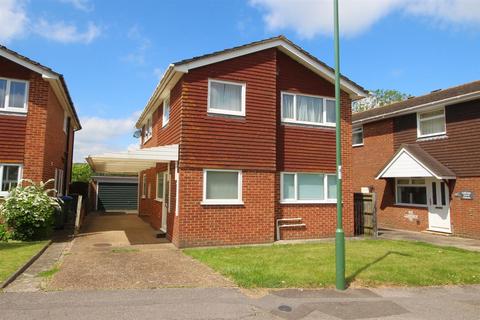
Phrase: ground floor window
[308,187]
[222,186]
[10,176]
[144,186]
[411,191]
[160,185]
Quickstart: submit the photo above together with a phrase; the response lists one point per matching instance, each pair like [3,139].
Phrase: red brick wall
[204,225]
[465,214]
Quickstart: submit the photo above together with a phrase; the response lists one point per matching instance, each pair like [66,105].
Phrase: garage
[114,193]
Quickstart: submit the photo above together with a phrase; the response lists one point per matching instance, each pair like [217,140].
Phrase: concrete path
[121,251]
[229,303]
[441,240]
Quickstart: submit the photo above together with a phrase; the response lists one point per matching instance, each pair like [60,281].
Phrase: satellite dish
[137,134]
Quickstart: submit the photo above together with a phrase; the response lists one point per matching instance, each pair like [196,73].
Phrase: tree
[379,98]
[81,172]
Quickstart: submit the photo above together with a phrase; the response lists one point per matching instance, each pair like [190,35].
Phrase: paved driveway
[120,251]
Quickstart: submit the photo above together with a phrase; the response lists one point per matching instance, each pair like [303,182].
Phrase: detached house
[37,123]
[422,159]
[238,147]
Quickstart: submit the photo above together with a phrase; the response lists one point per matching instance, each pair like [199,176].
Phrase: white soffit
[132,162]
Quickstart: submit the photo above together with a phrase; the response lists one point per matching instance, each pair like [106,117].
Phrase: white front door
[438,206]
[166,200]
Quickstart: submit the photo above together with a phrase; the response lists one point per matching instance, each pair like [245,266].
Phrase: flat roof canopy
[132,162]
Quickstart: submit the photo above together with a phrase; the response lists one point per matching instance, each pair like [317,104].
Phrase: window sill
[144,197]
[309,202]
[432,137]
[411,205]
[22,112]
[159,200]
[357,145]
[148,139]
[308,124]
[225,115]
[222,203]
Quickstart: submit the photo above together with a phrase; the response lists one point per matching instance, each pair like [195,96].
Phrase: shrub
[4,233]
[29,210]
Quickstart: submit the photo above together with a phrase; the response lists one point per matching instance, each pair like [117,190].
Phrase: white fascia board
[403,151]
[62,98]
[421,107]
[285,47]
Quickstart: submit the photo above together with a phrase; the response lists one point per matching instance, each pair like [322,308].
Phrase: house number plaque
[465,195]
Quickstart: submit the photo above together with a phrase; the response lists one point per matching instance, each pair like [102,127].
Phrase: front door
[438,206]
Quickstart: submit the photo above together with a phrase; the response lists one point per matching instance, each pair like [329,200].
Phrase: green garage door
[117,196]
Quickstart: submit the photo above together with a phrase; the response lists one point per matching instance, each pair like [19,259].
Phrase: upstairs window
[306,109]
[226,97]
[148,130]
[166,112]
[9,178]
[308,188]
[357,136]
[13,95]
[431,123]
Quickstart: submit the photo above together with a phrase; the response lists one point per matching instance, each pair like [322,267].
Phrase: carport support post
[339,234]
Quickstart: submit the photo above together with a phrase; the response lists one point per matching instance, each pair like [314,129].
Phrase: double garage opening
[116,193]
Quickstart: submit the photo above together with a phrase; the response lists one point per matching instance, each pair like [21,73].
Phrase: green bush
[28,211]
[4,233]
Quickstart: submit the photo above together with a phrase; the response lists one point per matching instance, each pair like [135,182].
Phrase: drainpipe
[67,158]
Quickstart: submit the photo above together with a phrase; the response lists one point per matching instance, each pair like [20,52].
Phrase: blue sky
[112,53]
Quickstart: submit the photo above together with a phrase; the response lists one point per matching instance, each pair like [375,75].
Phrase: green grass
[49,273]
[14,254]
[368,263]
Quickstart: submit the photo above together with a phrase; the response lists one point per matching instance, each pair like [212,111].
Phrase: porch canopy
[412,161]
[132,162]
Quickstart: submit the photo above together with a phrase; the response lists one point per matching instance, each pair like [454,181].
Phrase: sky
[113,52]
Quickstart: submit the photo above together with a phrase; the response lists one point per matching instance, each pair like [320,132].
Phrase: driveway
[120,251]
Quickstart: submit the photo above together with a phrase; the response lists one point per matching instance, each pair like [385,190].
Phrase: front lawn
[369,263]
[14,254]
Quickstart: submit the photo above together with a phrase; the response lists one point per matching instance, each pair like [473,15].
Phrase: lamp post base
[340,259]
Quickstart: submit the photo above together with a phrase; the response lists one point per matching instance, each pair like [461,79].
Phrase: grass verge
[49,273]
[369,263]
[14,254]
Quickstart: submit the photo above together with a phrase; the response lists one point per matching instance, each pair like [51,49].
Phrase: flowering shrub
[29,211]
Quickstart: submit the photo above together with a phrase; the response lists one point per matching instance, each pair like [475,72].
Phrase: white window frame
[20,174]
[211,109]
[294,119]
[58,185]
[148,130]
[65,121]
[165,120]
[160,175]
[144,186]
[237,201]
[357,130]
[326,199]
[410,185]
[419,121]
[7,96]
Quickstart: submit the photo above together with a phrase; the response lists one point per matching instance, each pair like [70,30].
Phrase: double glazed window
[411,191]
[9,177]
[226,97]
[166,112]
[59,174]
[357,136]
[148,130]
[160,185]
[144,186]
[297,108]
[13,95]
[431,123]
[308,188]
[222,186]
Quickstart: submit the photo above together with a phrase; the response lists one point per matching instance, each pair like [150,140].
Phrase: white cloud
[66,32]
[138,56]
[13,19]
[312,17]
[82,5]
[100,135]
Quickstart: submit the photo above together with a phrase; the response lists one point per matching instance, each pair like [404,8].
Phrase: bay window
[308,187]
[307,109]
[431,123]
[411,191]
[226,97]
[13,95]
[10,176]
[222,186]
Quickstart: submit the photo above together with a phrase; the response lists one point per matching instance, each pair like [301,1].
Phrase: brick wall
[465,214]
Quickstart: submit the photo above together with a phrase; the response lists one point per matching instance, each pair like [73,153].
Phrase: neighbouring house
[238,147]
[37,124]
[421,157]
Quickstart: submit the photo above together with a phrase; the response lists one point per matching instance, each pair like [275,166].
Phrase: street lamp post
[339,234]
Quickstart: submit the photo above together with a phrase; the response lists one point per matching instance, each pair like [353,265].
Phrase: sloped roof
[435,96]
[45,71]
[175,70]
[435,167]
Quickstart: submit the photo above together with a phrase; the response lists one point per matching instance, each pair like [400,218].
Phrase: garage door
[117,196]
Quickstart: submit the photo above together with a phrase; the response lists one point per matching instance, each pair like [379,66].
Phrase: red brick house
[234,141]
[422,159]
[37,123]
